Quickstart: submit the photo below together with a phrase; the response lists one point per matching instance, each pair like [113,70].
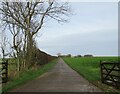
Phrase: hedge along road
[60,79]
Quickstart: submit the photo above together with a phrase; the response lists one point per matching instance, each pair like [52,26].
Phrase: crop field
[88,67]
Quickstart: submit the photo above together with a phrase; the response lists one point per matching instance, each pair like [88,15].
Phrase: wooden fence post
[6,70]
[101,71]
[119,75]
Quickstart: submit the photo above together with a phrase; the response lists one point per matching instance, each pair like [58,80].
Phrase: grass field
[27,76]
[89,68]
[0,59]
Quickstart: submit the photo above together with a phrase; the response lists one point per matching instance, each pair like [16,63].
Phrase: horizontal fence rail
[110,73]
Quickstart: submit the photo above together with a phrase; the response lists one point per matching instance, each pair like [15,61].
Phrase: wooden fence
[4,71]
[110,73]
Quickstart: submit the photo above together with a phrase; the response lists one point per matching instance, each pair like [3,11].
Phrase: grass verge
[89,68]
[26,76]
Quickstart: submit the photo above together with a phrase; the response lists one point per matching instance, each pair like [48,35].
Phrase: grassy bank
[89,68]
[26,76]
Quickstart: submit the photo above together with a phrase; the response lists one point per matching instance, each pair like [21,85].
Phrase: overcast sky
[93,29]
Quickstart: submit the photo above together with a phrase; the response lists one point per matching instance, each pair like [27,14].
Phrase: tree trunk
[29,49]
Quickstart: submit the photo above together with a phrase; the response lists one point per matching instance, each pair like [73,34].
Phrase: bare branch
[27,19]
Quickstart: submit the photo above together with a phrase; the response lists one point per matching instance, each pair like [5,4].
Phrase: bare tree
[29,17]
[17,42]
[3,45]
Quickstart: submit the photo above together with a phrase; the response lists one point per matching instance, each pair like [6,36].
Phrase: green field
[89,67]
[0,60]
[26,76]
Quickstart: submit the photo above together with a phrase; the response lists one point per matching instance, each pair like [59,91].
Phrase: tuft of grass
[26,76]
[89,68]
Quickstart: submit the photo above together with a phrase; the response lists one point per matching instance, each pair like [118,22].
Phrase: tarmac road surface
[60,79]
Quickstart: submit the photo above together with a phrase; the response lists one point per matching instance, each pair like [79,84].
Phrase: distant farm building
[88,55]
